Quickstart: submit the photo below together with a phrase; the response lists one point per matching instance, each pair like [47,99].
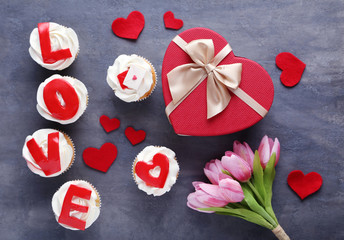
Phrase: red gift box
[193,113]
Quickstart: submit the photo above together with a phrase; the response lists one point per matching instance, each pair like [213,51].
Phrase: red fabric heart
[100,159]
[292,68]
[171,22]
[142,171]
[190,117]
[135,137]
[129,28]
[109,124]
[304,185]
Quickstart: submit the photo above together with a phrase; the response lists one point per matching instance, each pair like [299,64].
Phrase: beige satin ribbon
[185,78]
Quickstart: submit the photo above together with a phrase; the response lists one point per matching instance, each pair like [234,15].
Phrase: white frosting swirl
[80,89]
[41,137]
[146,155]
[123,63]
[93,204]
[61,37]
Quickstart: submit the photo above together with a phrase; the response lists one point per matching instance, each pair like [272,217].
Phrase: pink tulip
[213,170]
[266,148]
[237,166]
[205,199]
[244,151]
[210,195]
[231,190]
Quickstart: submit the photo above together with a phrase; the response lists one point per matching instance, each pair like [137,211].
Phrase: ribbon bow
[185,78]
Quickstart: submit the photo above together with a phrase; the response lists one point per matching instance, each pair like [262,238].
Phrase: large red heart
[129,28]
[304,185]
[100,159]
[190,117]
[134,137]
[292,68]
[142,170]
[171,22]
[109,124]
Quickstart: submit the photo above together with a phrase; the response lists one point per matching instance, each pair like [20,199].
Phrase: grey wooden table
[308,119]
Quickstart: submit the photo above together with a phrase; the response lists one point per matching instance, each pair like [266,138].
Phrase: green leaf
[258,176]
[245,214]
[269,176]
[254,206]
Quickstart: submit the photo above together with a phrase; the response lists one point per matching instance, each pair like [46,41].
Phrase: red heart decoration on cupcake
[134,137]
[129,28]
[143,169]
[100,159]
[171,22]
[304,185]
[190,116]
[109,124]
[292,68]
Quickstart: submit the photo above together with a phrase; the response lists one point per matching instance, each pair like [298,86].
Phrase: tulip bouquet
[241,185]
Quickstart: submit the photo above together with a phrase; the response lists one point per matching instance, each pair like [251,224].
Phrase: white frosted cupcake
[48,152]
[155,170]
[53,46]
[133,78]
[62,99]
[80,193]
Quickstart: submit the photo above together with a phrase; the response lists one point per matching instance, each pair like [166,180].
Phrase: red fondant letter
[49,56]
[67,206]
[51,164]
[69,95]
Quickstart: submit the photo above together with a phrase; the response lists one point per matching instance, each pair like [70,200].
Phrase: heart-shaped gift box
[250,97]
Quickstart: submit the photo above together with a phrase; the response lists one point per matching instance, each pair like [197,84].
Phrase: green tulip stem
[256,193]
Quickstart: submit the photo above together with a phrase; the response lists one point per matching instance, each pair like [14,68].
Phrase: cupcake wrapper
[154,84]
[69,141]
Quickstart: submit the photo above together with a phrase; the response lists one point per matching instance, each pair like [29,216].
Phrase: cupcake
[133,78]
[48,152]
[155,170]
[53,46]
[80,213]
[61,99]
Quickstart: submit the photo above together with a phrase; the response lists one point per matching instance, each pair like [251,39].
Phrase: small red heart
[292,68]
[142,170]
[129,28]
[100,159]
[171,22]
[109,124]
[135,137]
[304,185]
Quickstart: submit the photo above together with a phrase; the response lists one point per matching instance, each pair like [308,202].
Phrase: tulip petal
[276,149]
[193,203]
[264,151]
[210,189]
[238,167]
[213,178]
[231,190]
